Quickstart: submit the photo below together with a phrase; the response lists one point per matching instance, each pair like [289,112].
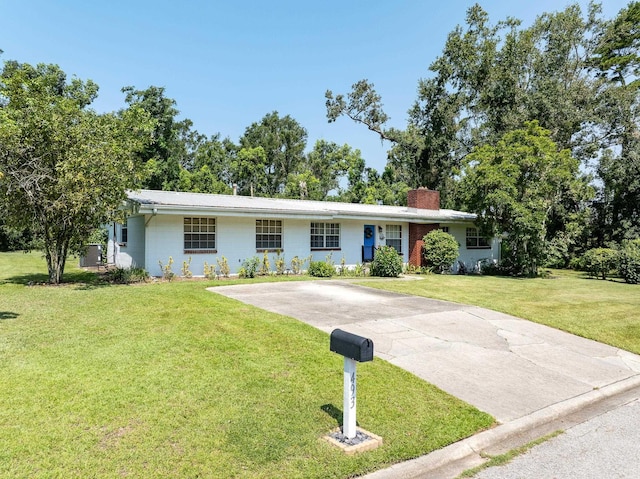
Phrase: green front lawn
[169,380]
[606,311]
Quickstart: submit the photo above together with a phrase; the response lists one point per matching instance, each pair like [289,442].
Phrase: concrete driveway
[503,365]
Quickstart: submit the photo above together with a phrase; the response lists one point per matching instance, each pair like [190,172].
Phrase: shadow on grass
[8,315]
[81,279]
[333,411]
[608,279]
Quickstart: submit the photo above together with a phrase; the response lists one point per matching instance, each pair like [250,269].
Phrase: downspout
[153,213]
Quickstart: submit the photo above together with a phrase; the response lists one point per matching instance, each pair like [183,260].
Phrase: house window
[124,233]
[268,234]
[444,229]
[325,235]
[394,237]
[475,240]
[199,235]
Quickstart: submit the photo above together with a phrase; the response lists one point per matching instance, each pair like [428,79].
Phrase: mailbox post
[353,348]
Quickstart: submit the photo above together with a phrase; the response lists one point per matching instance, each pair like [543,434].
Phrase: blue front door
[368,243]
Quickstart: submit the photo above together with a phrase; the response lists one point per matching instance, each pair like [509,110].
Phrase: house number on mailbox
[353,390]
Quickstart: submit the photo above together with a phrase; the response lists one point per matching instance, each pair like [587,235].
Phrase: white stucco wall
[156,238]
[472,256]
[135,246]
[131,253]
[235,240]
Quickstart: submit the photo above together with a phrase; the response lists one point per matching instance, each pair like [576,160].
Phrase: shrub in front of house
[167,269]
[297,265]
[599,262]
[249,267]
[386,263]
[629,261]
[321,269]
[491,268]
[223,266]
[130,275]
[440,250]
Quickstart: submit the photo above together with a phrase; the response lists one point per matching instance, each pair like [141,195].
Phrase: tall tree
[321,171]
[167,153]
[249,171]
[63,168]
[208,169]
[283,141]
[617,59]
[514,187]
[489,80]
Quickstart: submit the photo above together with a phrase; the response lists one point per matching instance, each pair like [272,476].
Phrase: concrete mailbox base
[363,441]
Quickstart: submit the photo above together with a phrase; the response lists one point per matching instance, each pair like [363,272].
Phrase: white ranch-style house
[204,227]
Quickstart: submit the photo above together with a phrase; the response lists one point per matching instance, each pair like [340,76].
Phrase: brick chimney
[423,198]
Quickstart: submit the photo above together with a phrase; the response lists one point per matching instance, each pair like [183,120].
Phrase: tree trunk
[56,250]
[55,263]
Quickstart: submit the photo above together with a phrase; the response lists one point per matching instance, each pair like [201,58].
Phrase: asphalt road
[604,447]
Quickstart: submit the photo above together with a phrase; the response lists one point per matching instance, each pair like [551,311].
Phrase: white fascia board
[407,218]
[253,213]
[311,215]
[381,218]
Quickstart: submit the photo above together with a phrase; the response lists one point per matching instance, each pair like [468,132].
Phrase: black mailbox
[351,345]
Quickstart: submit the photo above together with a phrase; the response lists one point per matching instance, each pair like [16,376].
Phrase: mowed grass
[169,380]
[606,311]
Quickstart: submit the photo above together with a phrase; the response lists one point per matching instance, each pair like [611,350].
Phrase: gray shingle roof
[181,203]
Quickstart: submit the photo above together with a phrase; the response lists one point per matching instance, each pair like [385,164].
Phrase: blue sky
[227,64]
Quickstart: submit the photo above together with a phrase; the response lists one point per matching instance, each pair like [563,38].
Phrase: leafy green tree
[283,141]
[617,60]
[63,168]
[489,80]
[329,163]
[563,94]
[363,105]
[201,181]
[513,187]
[629,261]
[12,239]
[599,262]
[618,51]
[208,166]
[374,188]
[304,186]
[249,171]
[168,151]
[323,171]
[218,156]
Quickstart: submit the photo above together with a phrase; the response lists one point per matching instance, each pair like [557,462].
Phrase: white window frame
[393,235]
[199,234]
[269,234]
[474,240]
[324,236]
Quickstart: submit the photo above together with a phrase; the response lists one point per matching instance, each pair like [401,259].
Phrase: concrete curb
[452,460]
